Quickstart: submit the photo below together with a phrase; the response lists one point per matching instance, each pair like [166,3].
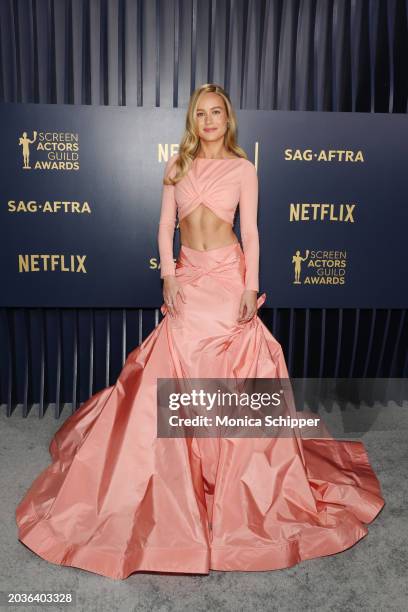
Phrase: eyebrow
[210,108]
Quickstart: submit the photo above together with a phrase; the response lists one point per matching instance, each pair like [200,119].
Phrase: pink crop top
[218,184]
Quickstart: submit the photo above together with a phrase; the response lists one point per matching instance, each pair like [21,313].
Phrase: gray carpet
[371,575]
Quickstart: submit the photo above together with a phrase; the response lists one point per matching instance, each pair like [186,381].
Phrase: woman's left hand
[248,305]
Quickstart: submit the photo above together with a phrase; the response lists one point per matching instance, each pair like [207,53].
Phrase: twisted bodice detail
[219,184]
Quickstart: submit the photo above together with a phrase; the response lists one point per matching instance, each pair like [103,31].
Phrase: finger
[241,311]
[175,305]
[247,317]
[241,319]
[169,305]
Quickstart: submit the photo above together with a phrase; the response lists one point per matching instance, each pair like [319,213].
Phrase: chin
[210,135]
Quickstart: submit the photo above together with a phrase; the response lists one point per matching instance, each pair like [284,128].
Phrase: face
[211,117]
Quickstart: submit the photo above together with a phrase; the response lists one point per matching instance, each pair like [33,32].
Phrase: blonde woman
[119,499]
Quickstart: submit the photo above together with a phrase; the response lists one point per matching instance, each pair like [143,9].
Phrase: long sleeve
[248,210]
[167,223]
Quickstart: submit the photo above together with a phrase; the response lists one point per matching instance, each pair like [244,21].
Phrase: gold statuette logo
[25,143]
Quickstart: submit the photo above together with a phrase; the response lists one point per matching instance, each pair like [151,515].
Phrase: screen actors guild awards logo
[322,267]
[51,151]
[25,143]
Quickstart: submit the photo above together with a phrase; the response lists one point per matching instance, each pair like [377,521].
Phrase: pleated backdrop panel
[323,55]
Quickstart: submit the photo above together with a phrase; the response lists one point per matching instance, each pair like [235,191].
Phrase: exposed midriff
[203,230]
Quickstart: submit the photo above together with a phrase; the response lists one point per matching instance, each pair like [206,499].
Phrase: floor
[371,575]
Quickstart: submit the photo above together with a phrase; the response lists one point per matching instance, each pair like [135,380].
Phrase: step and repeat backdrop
[81,195]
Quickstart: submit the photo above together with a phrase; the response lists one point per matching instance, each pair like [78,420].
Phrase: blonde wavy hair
[190,141]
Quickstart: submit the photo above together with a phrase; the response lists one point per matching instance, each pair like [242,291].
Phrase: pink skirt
[117,499]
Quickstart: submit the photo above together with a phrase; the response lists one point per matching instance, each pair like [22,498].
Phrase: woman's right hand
[171,289]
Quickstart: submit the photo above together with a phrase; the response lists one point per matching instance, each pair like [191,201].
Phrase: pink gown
[117,499]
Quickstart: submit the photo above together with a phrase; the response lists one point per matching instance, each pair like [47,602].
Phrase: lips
[209,129]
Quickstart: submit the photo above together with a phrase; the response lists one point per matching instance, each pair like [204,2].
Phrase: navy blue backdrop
[275,59]
[79,216]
